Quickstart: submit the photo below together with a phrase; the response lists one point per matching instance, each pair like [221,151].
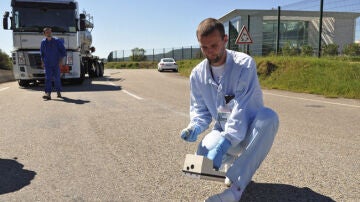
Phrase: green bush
[352,49]
[307,50]
[289,50]
[5,61]
[330,50]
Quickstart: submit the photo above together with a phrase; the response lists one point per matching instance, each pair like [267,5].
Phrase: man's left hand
[218,152]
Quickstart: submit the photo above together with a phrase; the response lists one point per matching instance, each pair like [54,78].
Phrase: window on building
[291,32]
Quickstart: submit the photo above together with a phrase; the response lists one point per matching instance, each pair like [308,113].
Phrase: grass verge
[327,76]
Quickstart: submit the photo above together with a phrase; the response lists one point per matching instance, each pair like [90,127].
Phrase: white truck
[27,20]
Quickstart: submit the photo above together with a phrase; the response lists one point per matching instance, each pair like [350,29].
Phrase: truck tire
[101,65]
[24,83]
[82,71]
[97,69]
[92,69]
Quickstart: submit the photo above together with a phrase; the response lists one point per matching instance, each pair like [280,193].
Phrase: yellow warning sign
[244,36]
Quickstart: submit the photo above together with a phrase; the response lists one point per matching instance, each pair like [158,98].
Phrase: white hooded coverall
[246,123]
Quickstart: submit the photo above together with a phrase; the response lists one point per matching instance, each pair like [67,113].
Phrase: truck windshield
[35,19]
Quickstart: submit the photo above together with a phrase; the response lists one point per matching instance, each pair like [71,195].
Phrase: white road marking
[2,89]
[135,96]
[299,98]
[127,92]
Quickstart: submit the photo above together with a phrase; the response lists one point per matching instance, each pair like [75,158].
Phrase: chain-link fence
[308,27]
[179,53]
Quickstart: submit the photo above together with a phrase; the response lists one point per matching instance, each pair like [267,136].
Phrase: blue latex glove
[218,152]
[190,133]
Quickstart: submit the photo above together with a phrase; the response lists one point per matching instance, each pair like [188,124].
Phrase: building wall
[256,34]
[338,28]
[344,32]
[313,33]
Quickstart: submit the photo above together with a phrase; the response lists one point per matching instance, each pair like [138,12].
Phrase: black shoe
[47,96]
[58,94]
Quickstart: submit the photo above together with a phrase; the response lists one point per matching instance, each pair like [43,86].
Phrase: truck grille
[35,60]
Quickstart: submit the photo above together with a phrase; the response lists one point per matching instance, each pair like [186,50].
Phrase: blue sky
[126,24]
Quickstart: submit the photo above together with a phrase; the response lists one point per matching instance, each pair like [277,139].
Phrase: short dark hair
[208,26]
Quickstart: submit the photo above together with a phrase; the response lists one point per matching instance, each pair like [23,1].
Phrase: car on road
[167,64]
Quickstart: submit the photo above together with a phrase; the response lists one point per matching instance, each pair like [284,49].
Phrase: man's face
[213,47]
[47,33]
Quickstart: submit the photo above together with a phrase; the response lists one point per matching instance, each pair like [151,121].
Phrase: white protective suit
[244,121]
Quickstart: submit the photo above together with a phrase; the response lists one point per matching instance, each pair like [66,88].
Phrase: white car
[167,64]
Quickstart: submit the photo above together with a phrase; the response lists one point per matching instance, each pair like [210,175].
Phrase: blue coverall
[52,51]
[249,126]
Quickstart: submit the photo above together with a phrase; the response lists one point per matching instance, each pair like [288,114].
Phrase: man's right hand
[190,133]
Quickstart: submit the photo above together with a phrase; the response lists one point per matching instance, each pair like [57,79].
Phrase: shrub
[5,61]
[307,50]
[289,50]
[330,50]
[352,49]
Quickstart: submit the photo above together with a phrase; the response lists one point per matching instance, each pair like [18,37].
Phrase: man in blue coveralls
[52,52]
[225,87]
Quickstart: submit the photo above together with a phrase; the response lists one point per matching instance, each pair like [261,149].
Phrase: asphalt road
[117,139]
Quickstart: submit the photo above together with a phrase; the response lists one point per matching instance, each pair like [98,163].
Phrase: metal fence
[326,23]
[179,53]
[314,24]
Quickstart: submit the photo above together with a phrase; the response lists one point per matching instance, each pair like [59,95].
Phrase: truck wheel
[23,83]
[82,71]
[101,65]
[97,69]
[92,70]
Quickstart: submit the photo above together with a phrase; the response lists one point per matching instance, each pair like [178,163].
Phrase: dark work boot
[59,94]
[47,96]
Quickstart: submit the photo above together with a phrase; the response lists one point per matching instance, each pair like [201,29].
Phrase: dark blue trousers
[52,73]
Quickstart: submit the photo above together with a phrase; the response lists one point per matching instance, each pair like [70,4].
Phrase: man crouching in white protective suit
[225,87]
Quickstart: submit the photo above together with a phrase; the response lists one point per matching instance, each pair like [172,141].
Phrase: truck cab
[28,19]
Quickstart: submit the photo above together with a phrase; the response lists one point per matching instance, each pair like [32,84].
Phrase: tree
[138,54]
[5,61]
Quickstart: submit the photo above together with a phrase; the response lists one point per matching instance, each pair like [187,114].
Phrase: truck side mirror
[82,22]
[5,20]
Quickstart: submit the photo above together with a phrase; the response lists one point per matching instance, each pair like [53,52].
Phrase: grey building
[297,28]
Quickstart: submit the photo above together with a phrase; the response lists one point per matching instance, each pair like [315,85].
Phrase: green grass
[327,76]
[131,65]
[330,77]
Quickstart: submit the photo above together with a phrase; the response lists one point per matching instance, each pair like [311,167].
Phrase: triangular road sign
[244,36]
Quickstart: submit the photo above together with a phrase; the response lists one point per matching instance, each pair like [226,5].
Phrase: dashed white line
[127,92]
[135,96]
[307,99]
[2,89]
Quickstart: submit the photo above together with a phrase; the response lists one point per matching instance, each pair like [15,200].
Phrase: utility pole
[278,32]
[320,26]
